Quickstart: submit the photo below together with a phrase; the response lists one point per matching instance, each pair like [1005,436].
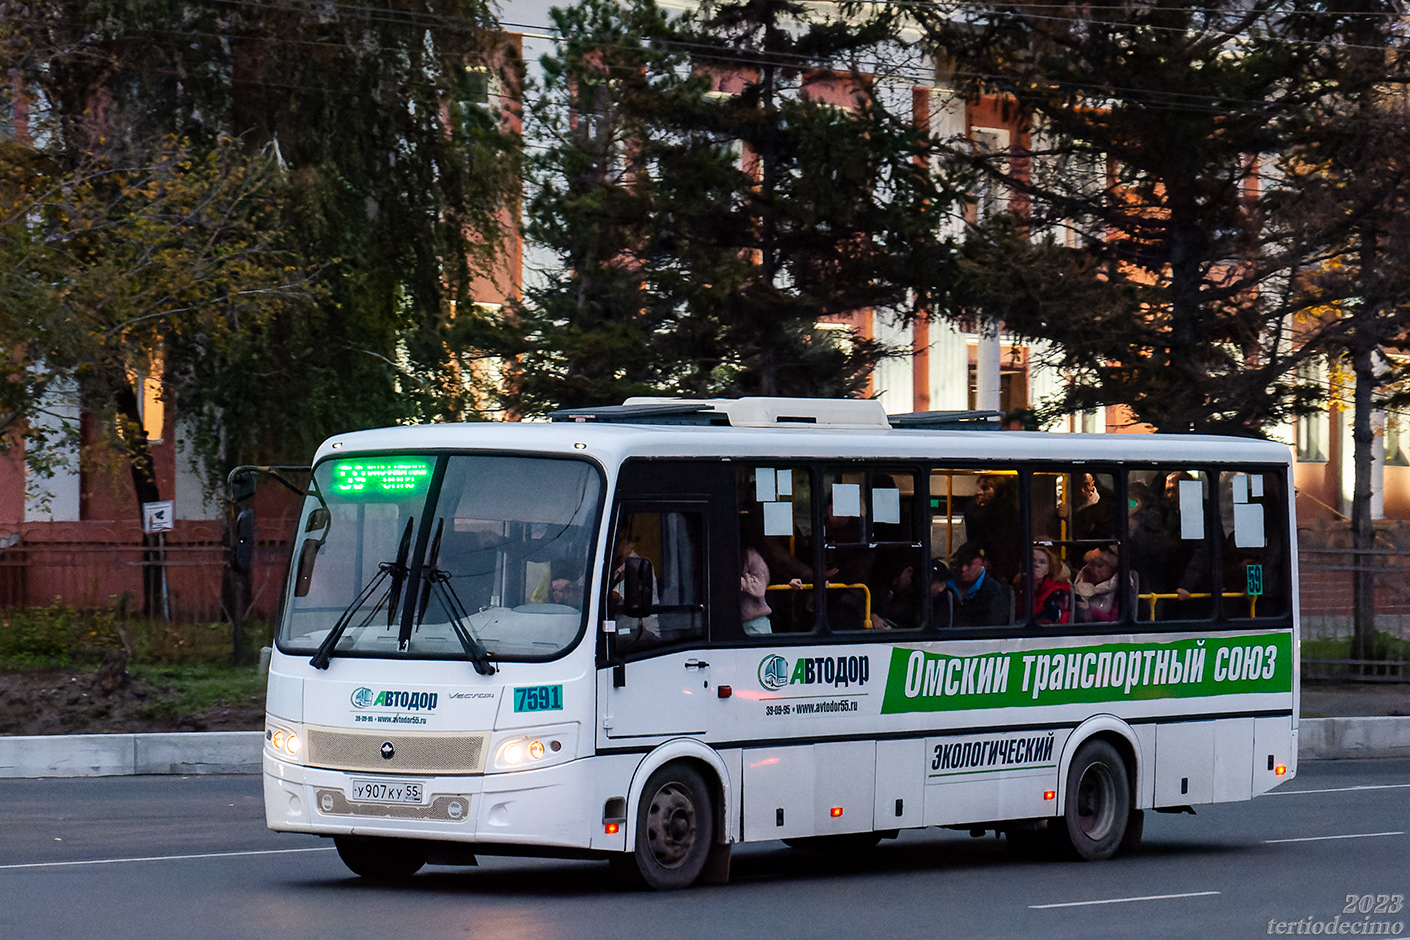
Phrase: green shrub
[62,636]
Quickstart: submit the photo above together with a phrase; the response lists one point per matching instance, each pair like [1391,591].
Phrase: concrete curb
[1343,738]
[239,752]
[106,755]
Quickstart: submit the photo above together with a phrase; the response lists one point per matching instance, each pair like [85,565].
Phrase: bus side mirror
[638,587]
[244,541]
[308,553]
[242,486]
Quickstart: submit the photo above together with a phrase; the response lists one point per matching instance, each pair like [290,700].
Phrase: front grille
[413,752]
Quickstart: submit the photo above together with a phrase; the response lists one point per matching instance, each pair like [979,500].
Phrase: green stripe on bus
[921,681]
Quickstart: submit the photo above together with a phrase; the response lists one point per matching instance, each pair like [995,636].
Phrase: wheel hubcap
[671,825]
[1096,802]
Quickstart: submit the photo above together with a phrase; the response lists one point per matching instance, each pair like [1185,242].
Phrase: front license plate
[385,791]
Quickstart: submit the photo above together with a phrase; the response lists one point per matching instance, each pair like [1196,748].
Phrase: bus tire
[1135,828]
[675,828]
[1098,804]
[381,859]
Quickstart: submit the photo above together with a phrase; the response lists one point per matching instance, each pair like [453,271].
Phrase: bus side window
[775,545]
[873,564]
[1170,552]
[1076,549]
[656,588]
[1254,552]
[976,547]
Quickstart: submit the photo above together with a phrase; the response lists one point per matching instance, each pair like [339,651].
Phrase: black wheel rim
[671,825]
[1096,802]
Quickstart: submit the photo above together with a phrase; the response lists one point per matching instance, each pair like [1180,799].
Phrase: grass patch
[1385,646]
[201,686]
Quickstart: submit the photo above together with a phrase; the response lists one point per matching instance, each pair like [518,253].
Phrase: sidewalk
[1340,721]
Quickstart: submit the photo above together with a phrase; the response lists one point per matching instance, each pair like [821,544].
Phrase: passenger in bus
[980,599]
[1095,587]
[1093,516]
[1148,543]
[897,604]
[567,591]
[991,522]
[753,583]
[942,599]
[1052,591]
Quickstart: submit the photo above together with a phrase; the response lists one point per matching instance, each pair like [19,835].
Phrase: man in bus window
[981,599]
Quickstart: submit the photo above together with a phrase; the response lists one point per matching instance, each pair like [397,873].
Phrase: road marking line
[165,858]
[1354,835]
[1149,897]
[1378,786]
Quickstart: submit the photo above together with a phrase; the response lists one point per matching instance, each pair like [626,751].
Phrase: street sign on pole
[158,517]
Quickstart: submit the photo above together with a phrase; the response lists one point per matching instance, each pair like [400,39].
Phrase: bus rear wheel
[675,828]
[381,859]
[1098,805]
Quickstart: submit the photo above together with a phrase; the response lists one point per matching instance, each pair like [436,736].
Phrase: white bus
[651,631]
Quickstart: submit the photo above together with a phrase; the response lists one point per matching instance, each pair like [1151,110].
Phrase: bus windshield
[443,557]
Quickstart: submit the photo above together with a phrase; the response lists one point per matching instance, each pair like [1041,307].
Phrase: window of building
[1312,430]
[1397,439]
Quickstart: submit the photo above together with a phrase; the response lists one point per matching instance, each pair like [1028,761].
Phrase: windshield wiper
[396,570]
[459,617]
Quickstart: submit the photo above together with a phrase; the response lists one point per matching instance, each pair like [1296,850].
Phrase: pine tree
[709,206]
[1149,249]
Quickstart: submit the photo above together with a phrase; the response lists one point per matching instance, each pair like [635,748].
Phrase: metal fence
[1326,595]
[97,575]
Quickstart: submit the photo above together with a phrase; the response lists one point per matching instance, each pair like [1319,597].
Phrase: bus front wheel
[675,828]
[381,859]
[1098,805]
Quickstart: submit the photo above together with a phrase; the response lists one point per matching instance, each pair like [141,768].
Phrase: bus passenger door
[657,677]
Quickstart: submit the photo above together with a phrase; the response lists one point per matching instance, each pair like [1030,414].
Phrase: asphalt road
[171,857]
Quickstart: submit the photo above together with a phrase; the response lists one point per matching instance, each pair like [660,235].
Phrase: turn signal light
[1279,770]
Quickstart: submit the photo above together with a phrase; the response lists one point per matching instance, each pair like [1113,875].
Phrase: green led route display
[380,477]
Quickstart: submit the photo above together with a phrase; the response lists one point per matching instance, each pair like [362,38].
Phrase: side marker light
[1279,770]
[836,811]
[1049,794]
[611,829]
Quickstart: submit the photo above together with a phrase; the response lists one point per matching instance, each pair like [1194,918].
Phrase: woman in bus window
[1095,587]
[753,583]
[1052,592]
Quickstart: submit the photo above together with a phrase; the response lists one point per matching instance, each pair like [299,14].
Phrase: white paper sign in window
[1191,509]
[778,518]
[764,489]
[846,499]
[1255,486]
[1248,525]
[1240,488]
[785,483]
[886,506]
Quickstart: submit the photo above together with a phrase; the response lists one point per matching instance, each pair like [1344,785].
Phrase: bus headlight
[284,740]
[541,747]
